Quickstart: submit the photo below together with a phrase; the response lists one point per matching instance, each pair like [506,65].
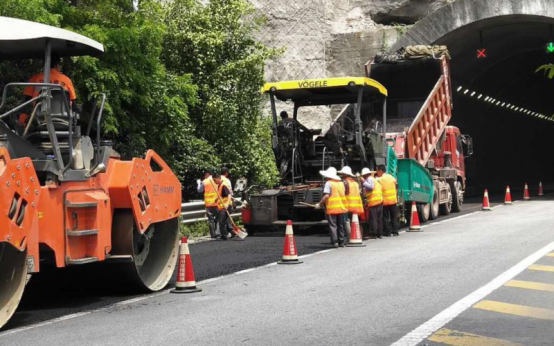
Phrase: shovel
[237,230]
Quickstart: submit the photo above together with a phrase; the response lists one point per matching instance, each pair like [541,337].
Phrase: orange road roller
[67,199]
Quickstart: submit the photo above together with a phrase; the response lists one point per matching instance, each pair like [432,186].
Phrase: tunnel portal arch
[511,147]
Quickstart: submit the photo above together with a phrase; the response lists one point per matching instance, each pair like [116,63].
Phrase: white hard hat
[330,173]
[346,170]
[367,171]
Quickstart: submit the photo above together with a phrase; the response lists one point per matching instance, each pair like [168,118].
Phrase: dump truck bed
[419,105]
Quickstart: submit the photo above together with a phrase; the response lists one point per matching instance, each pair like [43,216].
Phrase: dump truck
[68,199]
[428,154]
[355,137]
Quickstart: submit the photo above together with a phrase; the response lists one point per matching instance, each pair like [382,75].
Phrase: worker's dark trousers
[224,224]
[336,228]
[376,220]
[213,221]
[390,219]
[347,220]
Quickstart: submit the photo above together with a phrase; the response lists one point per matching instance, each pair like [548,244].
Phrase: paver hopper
[67,199]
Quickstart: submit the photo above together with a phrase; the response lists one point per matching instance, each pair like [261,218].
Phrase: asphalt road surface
[374,295]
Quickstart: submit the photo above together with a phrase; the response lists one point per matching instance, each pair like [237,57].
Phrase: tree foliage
[215,43]
[181,78]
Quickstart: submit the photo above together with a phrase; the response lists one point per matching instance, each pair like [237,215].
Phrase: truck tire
[445,208]
[424,212]
[457,196]
[435,205]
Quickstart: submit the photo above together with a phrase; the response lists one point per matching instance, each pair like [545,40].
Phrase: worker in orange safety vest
[390,201]
[373,191]
[354,202]
[224,202]
[209,187]
[334,199]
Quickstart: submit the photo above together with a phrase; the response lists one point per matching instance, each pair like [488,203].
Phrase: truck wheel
[445,208]
[424,212]
[435,205]
[457,196]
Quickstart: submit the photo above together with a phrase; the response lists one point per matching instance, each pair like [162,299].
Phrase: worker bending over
[334,199]
[209,187]
[390,201]
[374,198]
[223,206]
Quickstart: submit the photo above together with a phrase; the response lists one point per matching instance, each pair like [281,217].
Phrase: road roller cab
[67,198]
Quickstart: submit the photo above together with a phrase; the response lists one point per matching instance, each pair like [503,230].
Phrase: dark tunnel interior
[510,147]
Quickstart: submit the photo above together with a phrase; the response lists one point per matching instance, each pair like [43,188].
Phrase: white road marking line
[138,299]
[425,330]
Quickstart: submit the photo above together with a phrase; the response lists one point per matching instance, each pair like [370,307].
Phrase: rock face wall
[334,37]
[327,38]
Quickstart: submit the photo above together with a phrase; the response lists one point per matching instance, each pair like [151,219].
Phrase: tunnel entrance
[500,99]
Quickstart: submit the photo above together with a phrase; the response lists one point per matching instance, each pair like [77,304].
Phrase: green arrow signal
[550,47]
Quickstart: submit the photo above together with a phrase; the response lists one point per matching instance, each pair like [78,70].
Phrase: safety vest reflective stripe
[336,204]
[224,203]
[375,196]
[353,199]
[210,195]
[389,189]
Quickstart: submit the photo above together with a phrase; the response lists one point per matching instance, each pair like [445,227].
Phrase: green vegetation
[547,69]
[181,78]
[200,229]
[194,230]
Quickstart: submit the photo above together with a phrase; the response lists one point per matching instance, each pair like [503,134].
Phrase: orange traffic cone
[526,193]
[508,198]
[185,272]
[355,239]
[486,204]
[414,220]
[290,254]
[541,193]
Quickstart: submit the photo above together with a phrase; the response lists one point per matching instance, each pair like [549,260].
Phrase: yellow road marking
[550,254]
[513,309]
[542,268]
[456,338]
[539,286]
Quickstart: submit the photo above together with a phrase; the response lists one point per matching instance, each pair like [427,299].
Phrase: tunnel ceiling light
[508,105]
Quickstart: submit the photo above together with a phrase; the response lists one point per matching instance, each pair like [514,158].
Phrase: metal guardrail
[195,212]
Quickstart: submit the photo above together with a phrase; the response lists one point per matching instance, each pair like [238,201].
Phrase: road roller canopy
[325,91]
[21,39]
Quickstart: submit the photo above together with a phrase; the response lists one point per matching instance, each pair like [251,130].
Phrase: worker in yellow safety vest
[209,187]
[224,202]
[373,191]
[334,199]
[390,201]
[225,178]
